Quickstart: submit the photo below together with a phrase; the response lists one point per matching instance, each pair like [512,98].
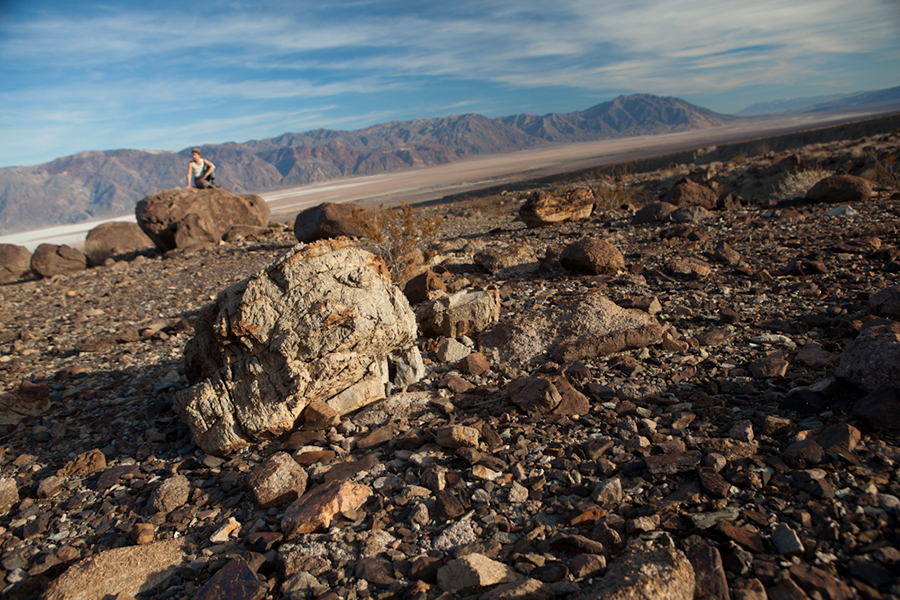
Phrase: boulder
[424,287]
[49,260]
[575,329]
[15,262]
[690,193]
[115,238]
[886,302]
[463,313]
[329,220]
[840,189]
[28,400]
[655,212]
[872,360]
[184,217]
[592,256]
[543,208]
[320,324]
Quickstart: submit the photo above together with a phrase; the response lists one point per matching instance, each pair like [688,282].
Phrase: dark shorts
[207,183]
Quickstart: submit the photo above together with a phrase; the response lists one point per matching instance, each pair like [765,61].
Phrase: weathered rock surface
[49,260]
[691,193]
[120,572]
[15,262]
[646,572]
[584,327]
[872,360]
[181,218]
[329,220]
[318,325]
[463,313]
[115,239]
[544,208]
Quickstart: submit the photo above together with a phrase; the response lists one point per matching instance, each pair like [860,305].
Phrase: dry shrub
[614,192]
[886,171]
[795,185]
[403,239]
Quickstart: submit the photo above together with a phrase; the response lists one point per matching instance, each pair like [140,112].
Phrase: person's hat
[197,151]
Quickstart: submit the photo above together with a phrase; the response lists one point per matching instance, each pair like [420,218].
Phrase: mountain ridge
[105,184]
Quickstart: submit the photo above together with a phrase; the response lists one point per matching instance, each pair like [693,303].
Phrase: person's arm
[209,172]
[189,176]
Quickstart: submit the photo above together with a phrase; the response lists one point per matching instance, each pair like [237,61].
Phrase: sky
[79,75]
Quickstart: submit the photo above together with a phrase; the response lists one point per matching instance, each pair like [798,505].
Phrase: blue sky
[162,75]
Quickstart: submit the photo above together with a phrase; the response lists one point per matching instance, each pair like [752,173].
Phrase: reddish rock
[84,464]
[474,364]
[424,287]
[872,360]
[534,394]
[644,572]
[234,581]
[592,256]
[655,212]
[689,193]
[316,509]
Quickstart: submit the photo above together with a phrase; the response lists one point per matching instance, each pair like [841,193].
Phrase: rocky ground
[726,461]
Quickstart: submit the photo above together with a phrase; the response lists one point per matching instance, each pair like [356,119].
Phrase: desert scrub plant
[886,171]
[614,192]
[402,238]
[796,184]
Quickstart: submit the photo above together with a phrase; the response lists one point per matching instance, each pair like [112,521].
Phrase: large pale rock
[123,571]
[329,220]
[645,571]
[320,324]
[576,329]
[840,189]
[184,217]
[543,208]
[115,238]
[690,193]
[15,262]
[872,360]
[49,260]
[472,571]
[463,313]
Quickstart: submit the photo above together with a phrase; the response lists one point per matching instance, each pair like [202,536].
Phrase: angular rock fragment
[317,509]
[872,360]
[318,325]
[645,571]
[235,581]
[690,193]
[514,260]
[463,313]
[472,571]
[277,480]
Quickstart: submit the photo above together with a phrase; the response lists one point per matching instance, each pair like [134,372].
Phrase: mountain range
[96,185]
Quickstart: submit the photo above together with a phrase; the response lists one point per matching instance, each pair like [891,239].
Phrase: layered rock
[181,218]
[543,208]
[320,324]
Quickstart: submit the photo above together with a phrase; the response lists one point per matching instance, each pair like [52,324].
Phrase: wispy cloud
[108,73]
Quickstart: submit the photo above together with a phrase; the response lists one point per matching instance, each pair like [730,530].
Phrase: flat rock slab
[129,571]
[317,509]
[317,325]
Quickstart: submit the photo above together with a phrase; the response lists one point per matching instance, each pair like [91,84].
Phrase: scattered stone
[235,581]
[15,262]
[49,260]
[115,239]
[838,189]
[872,360]
[514,260]
[318,508]
[473,571]
[278,480]
[592,256]
[645,571]
[543,208]
[463,313]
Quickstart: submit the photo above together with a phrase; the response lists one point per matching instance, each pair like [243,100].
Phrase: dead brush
[796,184]
[403,239]
[886,171]
[615,192]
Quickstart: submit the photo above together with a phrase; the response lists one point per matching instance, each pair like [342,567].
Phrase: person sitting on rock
[201,171]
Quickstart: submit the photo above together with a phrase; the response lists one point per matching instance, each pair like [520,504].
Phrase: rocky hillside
[740,443]
[95,185]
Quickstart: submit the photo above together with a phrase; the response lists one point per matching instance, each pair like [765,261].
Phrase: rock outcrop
[181,218]
[320,324]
